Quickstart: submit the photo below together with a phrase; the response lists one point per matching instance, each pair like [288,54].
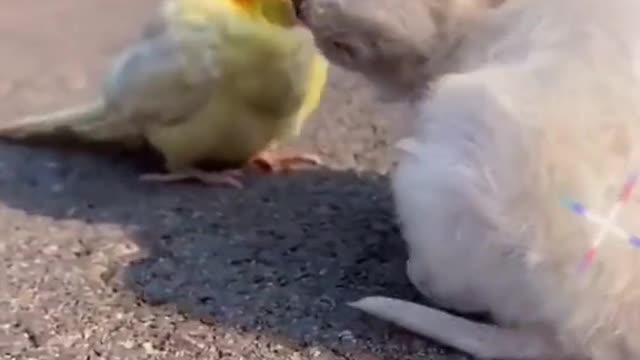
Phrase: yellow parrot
[209,81]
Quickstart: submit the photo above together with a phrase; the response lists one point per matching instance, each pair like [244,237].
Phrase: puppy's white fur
[541,101]
[544,104]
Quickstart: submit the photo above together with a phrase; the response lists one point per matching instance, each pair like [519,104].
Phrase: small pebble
[346,336]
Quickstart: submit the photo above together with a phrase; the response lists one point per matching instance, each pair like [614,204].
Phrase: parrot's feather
[315,84]
[85,124]
[163,80]
[82,114]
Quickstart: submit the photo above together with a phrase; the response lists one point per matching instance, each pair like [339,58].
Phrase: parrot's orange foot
[275,163]
[226,177]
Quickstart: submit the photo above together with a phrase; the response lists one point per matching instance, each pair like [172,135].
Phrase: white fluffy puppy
[529,103]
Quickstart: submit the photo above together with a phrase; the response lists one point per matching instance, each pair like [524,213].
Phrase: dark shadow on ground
[280,257]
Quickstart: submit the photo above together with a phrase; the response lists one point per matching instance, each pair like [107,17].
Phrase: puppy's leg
[477,339]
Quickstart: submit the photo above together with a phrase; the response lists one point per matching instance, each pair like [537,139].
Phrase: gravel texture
[100,266]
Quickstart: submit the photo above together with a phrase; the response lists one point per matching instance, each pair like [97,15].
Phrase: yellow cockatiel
[220,81]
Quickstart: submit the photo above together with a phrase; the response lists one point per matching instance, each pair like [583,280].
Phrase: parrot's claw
[274,163]
[209,178]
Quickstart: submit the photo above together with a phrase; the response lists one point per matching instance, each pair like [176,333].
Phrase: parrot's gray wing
[163,78]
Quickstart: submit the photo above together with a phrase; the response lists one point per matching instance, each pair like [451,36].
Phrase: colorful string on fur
[607,224]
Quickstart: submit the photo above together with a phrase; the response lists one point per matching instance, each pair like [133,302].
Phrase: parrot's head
[277,12]
[399,45]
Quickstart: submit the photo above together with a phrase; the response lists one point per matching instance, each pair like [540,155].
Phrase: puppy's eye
[343,47]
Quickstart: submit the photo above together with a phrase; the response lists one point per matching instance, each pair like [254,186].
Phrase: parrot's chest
[224,132]
[256,103]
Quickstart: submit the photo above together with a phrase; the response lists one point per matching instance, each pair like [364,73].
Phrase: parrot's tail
[84,125]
